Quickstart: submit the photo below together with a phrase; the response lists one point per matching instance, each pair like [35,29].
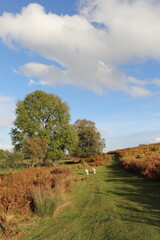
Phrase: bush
[10,159]
[97,161]
[4,154]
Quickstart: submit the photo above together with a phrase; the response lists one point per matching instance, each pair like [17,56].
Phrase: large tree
[90,142]
[44,115]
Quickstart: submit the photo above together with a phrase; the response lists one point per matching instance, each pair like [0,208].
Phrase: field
[110,205]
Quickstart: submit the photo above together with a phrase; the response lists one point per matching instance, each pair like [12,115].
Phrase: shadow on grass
[143,195]
[71,162]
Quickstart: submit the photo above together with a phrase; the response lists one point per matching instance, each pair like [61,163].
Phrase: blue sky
[102,57]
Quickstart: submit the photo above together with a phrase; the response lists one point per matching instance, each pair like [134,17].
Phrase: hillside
[144,160]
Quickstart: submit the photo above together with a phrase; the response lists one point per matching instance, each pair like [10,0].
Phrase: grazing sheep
[86,171]
[94,170]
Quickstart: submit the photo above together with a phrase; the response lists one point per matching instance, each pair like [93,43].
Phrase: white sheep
[94,170]
[86,171]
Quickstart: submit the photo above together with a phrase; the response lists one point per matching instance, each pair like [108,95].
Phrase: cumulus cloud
[102,78]
[48,74]
[6,111]
[133,26]
[87,46]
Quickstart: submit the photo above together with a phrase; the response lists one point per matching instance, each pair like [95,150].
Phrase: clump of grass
[49,201]
[61,197]
[43,202]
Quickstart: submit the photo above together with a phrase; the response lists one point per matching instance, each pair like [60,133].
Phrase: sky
[100,56]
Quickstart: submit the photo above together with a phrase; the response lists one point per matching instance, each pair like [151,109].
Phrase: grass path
[111,205]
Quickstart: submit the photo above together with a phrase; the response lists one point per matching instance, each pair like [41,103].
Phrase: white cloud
[156,140]
[136,91]
[136,81]
[32,82]
[48,74]
[7,107]
[133,26]
[98,78]
[61,38]
[88,54]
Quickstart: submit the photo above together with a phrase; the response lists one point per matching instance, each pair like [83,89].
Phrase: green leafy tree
[35,150]
[90,142]
[44,115]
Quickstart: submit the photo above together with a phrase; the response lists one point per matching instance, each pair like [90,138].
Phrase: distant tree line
[10,159]
[42,131]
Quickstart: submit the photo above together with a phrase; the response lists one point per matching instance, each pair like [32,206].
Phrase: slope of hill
[144,159]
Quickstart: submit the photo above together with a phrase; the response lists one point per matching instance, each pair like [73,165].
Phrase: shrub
[144,160]
[96,161]
[91,161]
[10,159]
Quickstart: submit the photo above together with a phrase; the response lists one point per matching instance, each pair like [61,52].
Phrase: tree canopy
[90,142]
[44,115]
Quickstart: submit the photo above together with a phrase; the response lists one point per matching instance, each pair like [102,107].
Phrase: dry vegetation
[90,161]
[97,161]
[38,191]
[144,160]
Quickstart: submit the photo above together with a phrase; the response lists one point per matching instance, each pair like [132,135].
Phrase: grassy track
[111,205]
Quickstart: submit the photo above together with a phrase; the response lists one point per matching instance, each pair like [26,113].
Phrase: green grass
[44,201]
[110,205]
